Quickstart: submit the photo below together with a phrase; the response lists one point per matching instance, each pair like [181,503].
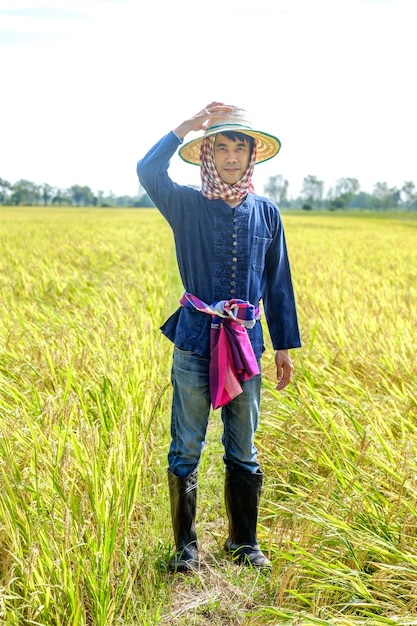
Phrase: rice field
[85,532]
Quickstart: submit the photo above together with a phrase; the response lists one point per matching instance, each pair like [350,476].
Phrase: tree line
[346,194]
[27,193]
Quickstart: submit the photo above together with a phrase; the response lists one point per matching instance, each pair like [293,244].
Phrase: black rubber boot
[242,495]
[183,498]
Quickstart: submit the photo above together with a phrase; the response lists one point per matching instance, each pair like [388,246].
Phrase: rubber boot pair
[242,494]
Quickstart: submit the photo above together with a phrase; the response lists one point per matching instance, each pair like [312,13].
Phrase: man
[231,253]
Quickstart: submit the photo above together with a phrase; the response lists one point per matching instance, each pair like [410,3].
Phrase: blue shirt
[222,253]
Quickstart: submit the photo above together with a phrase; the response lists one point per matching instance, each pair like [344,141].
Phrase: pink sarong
[232,360]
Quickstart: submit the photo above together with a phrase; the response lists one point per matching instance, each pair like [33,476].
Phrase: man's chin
[231,180]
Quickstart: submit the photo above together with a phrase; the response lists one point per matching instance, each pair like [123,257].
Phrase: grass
[84,428]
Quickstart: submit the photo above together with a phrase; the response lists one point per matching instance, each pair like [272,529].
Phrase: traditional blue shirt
[222,253]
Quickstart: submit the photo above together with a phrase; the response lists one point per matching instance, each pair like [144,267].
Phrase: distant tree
[5,186]
[347,186]
[312,190]
[100,198]
[336,204]
[409,195]
[276,188]
[123,201]
[363,200]
[47,192]
[144,201]
[387,198]
[61,197]
[81,195]
[343,194]
[25,192]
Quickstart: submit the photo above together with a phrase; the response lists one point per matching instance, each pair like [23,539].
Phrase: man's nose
[231,156]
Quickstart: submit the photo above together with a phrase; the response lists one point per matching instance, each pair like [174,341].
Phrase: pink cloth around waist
[232,360]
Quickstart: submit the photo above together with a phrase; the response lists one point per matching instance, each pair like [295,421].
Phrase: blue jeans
[190,413]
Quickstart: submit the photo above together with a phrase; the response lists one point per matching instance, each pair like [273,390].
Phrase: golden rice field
[84,429]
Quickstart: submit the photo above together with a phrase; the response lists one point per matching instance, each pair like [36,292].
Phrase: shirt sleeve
[152,172]
[278,297]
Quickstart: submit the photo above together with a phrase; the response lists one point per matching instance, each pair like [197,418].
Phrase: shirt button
[234,259]
[232,291]
[233,275]
[233,267]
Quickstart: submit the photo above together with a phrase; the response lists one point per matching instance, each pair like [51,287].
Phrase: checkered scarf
[212,186]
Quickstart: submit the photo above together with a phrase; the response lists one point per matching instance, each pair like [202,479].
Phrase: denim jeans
[190,413]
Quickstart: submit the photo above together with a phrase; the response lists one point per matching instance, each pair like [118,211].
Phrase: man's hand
[199,121]
[284,367]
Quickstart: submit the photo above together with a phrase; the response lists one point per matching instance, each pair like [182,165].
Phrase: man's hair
[234,135]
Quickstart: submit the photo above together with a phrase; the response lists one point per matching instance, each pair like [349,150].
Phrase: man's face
[231,158]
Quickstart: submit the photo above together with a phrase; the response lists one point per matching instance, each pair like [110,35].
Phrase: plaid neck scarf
[212,186]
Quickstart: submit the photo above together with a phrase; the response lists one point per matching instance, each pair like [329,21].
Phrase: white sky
[87,86]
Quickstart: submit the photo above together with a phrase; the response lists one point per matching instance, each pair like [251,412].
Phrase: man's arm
[214,110]
[152,169]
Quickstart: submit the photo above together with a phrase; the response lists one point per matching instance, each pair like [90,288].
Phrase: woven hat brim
[267,146]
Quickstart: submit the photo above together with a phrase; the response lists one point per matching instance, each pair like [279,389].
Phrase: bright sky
[87,86]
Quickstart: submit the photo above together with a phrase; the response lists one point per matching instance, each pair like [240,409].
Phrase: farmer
[231,253]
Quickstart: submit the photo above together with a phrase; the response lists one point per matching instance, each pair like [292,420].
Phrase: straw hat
[267,146]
